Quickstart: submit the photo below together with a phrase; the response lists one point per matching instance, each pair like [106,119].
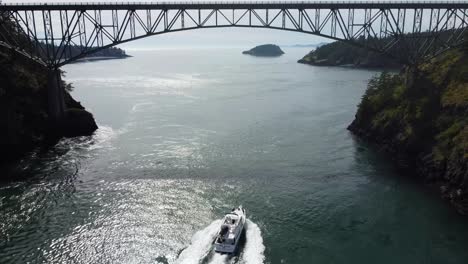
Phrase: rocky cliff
[420,116]
[24,122]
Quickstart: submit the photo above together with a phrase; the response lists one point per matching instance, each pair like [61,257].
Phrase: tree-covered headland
[420,116]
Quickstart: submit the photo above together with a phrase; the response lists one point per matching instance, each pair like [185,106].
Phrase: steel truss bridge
[410,32]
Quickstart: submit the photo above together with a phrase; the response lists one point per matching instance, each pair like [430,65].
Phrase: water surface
[185,135]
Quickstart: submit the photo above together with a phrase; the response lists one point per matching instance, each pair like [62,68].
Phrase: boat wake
[201,250]
[253,252]
[200,245]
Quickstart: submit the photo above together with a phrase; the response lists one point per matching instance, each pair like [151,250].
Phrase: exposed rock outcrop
[78,122]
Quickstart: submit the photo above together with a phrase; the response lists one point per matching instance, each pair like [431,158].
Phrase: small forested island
[267,50]
[343,54]
[110,53]
[420,116]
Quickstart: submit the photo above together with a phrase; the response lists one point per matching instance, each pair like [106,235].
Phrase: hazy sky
[220,37]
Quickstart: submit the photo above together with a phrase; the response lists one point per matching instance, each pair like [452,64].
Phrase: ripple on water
[135,222]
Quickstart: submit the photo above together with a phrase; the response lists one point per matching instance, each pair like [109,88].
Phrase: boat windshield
[230,219]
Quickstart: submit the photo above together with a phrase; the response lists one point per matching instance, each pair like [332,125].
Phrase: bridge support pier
[55,96]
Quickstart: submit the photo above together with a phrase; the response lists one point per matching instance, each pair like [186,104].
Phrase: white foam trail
[103,135]
[253,252]
[219,259]
[200,245]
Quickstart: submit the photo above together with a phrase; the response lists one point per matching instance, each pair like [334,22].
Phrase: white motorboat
[231,231]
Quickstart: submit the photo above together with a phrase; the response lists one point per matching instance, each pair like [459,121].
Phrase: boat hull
[225,248]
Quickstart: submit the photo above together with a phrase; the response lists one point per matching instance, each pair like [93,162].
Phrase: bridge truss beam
[408,32]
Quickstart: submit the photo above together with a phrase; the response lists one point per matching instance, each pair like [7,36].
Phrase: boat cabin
[231,219]
[228,229]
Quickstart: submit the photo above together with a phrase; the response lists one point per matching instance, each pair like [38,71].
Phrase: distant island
[70,51]
[343,54]
[267,50]
[105,54]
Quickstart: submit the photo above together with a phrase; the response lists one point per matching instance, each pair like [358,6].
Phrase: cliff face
[342,54]
[421,117]
[24,122]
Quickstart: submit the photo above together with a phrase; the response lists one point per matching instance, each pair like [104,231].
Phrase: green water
[185,135]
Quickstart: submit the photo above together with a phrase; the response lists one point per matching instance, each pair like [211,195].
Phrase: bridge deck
[234,5]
